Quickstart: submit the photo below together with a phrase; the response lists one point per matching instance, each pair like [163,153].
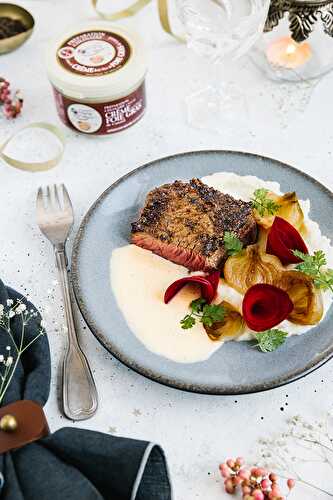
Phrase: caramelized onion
[265,306]
[250,267]
[290,210]
[282,239]
[307,299]
[262,238]
[231,327]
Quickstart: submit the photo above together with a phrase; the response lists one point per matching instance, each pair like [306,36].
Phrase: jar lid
[96,61]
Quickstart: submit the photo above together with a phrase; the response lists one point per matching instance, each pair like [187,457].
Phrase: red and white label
[94,53]
[102,118]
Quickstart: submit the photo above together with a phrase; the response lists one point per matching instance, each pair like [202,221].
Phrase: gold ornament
[8,423]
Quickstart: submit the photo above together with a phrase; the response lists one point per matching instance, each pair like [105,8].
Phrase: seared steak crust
[185,222]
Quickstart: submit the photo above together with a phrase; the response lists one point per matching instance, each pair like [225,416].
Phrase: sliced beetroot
[265,306]
[282,239]
[214,278]
[208,286]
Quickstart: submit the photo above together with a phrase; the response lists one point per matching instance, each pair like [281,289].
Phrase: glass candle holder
[297,44]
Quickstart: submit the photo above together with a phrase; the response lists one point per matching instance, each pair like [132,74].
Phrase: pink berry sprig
[255,483]
[12,106]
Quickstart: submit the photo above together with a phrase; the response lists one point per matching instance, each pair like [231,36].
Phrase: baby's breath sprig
[9,360]
[302,442]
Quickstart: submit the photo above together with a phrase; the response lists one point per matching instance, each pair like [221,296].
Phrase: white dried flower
[11,313]
[9,361]
[20,308]
[43,324]
[1,310]
[8,347]
[1,358]
[10,302]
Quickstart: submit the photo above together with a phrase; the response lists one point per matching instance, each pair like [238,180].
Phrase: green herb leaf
[263,204]
[207,314]
[312,265]
[232,244]
[212,314]
[187,322]
[269,340]
[197,305]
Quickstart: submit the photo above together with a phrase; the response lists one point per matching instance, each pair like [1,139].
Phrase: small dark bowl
[16,12]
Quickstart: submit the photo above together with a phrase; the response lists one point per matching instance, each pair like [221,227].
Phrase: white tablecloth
[197,432]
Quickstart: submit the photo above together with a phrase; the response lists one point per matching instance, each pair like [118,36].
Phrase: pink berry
[230,463]
[273,477]
[229,486]
[255,472]
[258,495]
[262,472]
[225,472]
[239,461]
[291,483]
[244,474]
[246,490]
[265,484]
[237,480]
[276,490]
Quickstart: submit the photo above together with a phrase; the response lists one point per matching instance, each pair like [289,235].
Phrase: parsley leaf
[187,322]
[263,204]
[197,305]
[212,314]
[232,244]
[207,314]
[312,265]
[269,340]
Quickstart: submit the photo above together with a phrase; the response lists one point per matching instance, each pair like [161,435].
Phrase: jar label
[94,53]
[102,118]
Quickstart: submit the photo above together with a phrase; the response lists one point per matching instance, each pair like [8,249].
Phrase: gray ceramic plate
[236,367]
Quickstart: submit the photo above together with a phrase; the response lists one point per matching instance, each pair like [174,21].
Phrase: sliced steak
[185,222]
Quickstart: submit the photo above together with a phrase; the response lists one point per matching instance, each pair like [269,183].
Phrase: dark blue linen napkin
[72,463]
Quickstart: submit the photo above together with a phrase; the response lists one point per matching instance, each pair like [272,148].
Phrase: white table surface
[196,432]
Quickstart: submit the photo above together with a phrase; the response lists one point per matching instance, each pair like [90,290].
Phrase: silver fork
[55,218]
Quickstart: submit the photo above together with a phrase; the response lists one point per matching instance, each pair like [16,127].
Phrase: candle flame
[291,49]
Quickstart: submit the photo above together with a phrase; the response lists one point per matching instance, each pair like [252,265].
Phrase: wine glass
[221,31]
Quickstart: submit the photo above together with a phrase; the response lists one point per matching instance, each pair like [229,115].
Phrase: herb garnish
[263,204]
[207,314]
[232,244]
[312,265]
[269,340]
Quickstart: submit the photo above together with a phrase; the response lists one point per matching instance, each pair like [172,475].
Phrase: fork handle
[80,399]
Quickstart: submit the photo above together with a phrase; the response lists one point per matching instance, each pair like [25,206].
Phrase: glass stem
[222,74]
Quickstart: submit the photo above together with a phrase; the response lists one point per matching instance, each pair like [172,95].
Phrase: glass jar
[97,72]
[297,44]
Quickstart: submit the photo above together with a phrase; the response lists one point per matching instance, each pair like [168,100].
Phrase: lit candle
[287,53]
